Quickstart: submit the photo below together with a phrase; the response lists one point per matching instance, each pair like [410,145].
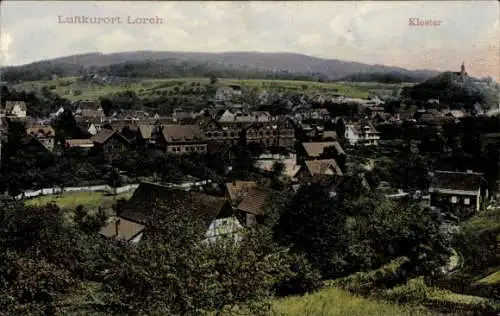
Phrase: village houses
[181,139]
[43,133]
[462,193]
[215,213]
[361,133]
[15,109]
[111,144]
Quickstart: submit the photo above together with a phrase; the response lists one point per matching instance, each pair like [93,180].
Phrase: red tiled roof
[126,229]
[254,202]
[238,189]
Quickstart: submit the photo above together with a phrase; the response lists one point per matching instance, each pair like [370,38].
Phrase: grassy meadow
[90,200]
[486,220]
[336,302]
[65,87]
[493,278]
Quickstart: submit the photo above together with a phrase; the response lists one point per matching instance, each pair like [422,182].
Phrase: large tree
[344,234]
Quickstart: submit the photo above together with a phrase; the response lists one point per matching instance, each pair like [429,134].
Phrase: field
[335,302]
[486,220]
[91,200]
[493,278]
[66,87]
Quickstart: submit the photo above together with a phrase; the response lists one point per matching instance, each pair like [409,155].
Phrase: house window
[467,201]
[454,199]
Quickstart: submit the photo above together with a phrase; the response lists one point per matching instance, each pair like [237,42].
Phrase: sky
[369,32]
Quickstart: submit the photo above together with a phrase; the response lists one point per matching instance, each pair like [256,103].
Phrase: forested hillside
[450,89]
[172,64]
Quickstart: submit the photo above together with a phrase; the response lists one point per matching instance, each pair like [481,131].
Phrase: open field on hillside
[493,278]
[74,89]
[486,220]
[335,302]
[91,200]
[415,290]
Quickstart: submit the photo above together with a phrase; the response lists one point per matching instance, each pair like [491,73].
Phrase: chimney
[117,227]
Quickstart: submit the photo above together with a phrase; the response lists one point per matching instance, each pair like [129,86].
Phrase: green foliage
[417,291]
[406,171]
[394,77]
[71,200]
[40,103]
[449,89]
[213,80]
[48,260]
[370,282]
[341,235]
[477,241]
[31,287]
[493,278]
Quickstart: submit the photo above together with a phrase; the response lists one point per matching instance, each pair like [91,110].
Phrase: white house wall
[228,226]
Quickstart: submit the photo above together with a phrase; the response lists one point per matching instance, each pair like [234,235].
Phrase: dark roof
[88,120]
[451,180]
[119,125]
[181,133]
[105,134]
[32,142]
[204,206]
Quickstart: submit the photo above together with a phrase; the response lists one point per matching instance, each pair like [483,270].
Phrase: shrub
[305,278]
[367,282]
[416,291]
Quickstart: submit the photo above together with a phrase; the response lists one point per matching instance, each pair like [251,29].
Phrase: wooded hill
[151,64]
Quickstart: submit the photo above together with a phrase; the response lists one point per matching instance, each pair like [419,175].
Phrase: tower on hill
[463,73]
